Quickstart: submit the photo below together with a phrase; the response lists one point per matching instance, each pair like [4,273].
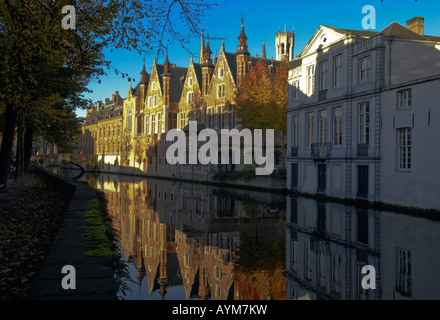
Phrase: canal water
[193,241]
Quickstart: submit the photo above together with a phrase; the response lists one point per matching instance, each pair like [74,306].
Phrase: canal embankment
[81,244]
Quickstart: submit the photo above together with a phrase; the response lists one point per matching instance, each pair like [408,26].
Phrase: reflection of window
[362,226]
[186,259]
[336,273]
[218,272]
[307,261]
[403,272]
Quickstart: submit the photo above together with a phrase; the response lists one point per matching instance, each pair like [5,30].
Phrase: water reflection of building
[179,234]
[327,244]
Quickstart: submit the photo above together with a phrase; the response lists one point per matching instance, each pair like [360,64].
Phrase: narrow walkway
[94,275]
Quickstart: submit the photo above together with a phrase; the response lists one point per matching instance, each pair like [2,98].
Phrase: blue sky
[262,21]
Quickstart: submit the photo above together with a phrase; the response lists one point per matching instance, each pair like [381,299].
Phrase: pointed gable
[194,71]
[323,37]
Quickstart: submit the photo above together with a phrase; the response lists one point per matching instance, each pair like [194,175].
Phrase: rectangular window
[364,123]
[221,91]
[309,129]
[182,120]
[323,74]
[404,98]
[364,69]
[323,126]
[310,80]
[153,124]
[159,122]
[172,121]
[404,148]
[221,72]
[338,71]
[189,97]
[295,92]
[190,82]
[337,126]
[295,132]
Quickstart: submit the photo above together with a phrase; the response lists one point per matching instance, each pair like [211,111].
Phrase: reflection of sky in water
[324,245]
[137,292]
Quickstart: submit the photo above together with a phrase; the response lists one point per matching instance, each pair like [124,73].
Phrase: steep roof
[198,72]
[176,84]
[398,31]
[232,63]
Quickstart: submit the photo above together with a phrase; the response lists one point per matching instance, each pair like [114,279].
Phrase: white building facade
[361,117]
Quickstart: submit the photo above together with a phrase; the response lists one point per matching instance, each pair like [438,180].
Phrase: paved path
[94,275]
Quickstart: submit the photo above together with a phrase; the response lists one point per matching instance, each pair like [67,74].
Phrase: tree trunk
[28,139]
[7,142]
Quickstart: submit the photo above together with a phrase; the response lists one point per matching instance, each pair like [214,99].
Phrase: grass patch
[103,238]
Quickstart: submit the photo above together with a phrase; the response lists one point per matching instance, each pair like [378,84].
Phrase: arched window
[282,48]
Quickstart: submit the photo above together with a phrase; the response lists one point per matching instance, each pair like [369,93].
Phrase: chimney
[416,25]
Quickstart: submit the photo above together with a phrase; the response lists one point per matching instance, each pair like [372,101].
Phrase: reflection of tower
[163,273]
[203,293]
[284,44]
[140,277]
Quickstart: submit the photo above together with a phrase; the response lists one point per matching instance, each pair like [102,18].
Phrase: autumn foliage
[262,97]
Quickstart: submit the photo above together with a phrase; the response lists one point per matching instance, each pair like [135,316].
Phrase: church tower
[166,78]
[207,68]
[242,55]
[284,44]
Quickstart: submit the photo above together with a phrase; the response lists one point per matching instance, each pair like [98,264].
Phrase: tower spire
[202,48]
[166,64]
[242,40]
[263,54]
